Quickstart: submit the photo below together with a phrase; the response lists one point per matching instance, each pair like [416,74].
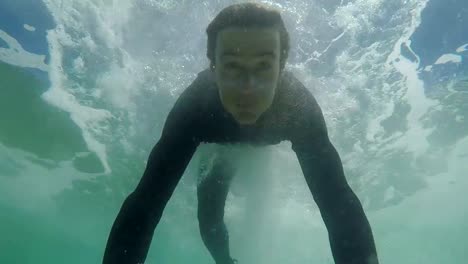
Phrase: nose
[248,85]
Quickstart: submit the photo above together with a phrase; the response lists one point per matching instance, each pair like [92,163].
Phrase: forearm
[132,232]
[349,232]
[348,228]
[216,239]
[133,229]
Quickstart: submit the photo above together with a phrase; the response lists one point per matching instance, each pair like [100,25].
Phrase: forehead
[236,41]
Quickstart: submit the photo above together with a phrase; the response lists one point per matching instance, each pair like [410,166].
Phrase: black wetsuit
[198,116]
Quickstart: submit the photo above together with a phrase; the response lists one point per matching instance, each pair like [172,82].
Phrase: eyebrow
[259,54]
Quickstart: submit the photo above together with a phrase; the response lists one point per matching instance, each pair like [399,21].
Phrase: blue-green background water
[85,87]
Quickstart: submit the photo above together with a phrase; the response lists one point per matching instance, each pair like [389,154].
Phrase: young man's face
[247,69]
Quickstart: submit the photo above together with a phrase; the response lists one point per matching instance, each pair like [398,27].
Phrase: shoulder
[189,105]
[295,88]
[295,98]
[306,120]
[199,85]
[197,92]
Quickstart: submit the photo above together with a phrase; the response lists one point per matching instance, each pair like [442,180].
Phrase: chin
[246,118]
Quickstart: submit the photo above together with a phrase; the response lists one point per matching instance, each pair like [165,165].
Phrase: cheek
[224,83]
[226,92]
[228,98]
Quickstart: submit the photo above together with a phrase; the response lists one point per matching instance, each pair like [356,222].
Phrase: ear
[212,67]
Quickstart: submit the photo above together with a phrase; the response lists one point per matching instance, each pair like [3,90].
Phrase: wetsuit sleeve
[349,232]
[133,228]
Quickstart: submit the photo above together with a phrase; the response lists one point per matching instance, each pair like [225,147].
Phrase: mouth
[246,104]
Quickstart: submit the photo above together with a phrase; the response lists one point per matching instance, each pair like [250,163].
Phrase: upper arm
[174,150]
[319,160]
[309,124]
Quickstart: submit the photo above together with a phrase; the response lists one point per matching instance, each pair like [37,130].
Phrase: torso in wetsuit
[293,112]
[198,116]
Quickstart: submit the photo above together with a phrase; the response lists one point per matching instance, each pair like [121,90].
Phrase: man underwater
[246,96]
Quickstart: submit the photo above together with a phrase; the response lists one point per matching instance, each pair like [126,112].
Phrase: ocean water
[85,87]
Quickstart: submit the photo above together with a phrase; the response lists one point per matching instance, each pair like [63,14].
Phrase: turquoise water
[85,87]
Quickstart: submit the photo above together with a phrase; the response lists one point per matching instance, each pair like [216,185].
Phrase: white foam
[332,42]
[415,139]
[29,27]
[78,65]
[374,128]
[118,85]
[16,55]
[449,58]
[37,192]
[87,118]
[462,48]
[67,94]
[89,42]
[356,16]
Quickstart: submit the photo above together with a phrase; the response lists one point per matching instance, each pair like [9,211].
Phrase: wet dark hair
[247,15]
